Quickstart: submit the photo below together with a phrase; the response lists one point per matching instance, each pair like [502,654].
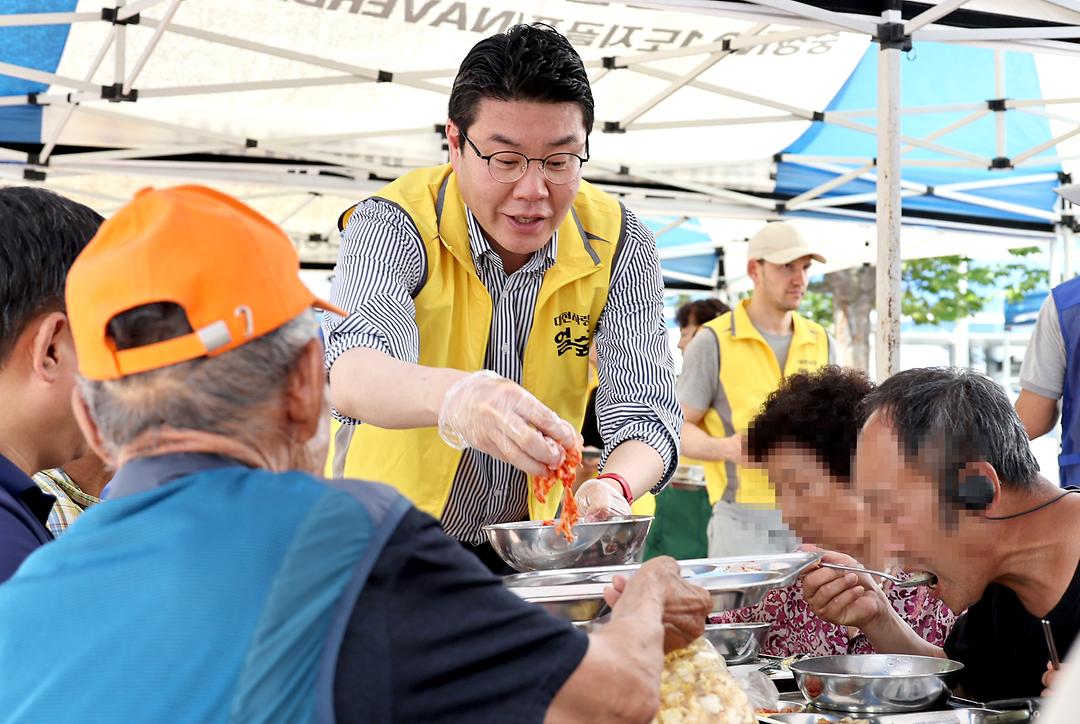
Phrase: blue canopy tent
[966,174]
[689,257]
[35,47]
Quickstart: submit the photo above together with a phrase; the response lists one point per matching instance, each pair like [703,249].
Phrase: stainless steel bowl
[531,546]
[874,683]
[737,642]
[802,718]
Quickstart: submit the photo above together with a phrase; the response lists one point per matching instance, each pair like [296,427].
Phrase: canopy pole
[1051,261]
[887,348]
[1066,251]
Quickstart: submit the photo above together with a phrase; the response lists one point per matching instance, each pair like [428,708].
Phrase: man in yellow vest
[474,290]
[730,367]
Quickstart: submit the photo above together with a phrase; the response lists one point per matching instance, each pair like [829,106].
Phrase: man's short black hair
[818,410]
[526,63]
[699,312]
[946,417]
[41,233]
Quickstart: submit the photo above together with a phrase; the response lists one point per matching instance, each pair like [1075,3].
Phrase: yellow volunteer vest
[453,315]
[749,371]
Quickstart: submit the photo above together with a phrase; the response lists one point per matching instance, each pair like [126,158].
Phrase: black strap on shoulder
[347,214]
[343,220]
[619,243]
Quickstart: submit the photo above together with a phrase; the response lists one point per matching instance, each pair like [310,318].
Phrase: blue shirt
[432,636]
[24,510]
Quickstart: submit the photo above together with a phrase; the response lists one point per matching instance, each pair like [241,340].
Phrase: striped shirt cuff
[654,435]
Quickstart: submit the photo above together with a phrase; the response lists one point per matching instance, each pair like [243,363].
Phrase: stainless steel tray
[577,594]
[956,716]
[973,714]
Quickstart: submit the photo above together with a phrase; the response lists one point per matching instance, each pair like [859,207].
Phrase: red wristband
[626,491]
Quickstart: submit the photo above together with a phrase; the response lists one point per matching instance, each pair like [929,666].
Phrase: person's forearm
[894,636]
[614,682]
[375,388]
[618,680]
[1039,414]
[639,463]
[696,443]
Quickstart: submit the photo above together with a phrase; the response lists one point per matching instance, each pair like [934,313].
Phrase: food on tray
[696,688]
[565,473]
[790,709]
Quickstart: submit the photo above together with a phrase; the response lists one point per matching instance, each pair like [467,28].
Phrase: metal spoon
[919,579]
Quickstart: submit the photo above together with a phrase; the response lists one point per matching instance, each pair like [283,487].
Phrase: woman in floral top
[805,436]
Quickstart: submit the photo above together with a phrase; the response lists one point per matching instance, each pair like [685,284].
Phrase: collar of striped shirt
[480,247]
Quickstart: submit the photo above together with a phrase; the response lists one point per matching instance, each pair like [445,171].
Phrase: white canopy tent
[301,106]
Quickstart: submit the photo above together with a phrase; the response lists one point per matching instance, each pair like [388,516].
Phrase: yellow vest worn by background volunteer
[749,371]
[453,316]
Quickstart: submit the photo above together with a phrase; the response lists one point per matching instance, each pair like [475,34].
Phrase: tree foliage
[817,305]
[944,289]
[948,288]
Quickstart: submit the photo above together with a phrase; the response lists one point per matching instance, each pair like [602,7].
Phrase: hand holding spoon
[921,578]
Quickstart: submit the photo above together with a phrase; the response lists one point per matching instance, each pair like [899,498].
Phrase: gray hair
[946,417]
[209,394]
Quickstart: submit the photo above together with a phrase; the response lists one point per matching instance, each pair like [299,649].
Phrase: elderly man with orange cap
[229,584]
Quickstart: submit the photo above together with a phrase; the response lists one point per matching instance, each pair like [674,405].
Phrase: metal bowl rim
[797,667]
[537,525]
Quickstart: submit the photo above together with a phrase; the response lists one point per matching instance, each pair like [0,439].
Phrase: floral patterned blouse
[797,630]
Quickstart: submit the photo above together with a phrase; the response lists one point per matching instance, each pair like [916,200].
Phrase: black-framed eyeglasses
[509,166]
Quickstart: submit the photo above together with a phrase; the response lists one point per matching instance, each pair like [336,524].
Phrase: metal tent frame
[303,167]
[894,30]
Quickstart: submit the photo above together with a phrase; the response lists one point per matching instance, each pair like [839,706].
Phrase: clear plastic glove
[492,414]
[601,499]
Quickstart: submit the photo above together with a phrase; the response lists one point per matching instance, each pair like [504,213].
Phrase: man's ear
[753,270]
[453,141]
[89,428]
[47,351]
[305,390]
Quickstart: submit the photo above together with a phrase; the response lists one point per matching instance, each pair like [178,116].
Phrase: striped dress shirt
[381,266]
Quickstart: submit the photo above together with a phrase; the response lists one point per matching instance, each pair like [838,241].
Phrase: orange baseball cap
[232,270]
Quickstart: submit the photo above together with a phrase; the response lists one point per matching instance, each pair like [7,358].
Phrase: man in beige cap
[729,369]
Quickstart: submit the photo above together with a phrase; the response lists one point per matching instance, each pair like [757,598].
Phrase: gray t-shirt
[780,344]
[1043,368]
[698,385]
